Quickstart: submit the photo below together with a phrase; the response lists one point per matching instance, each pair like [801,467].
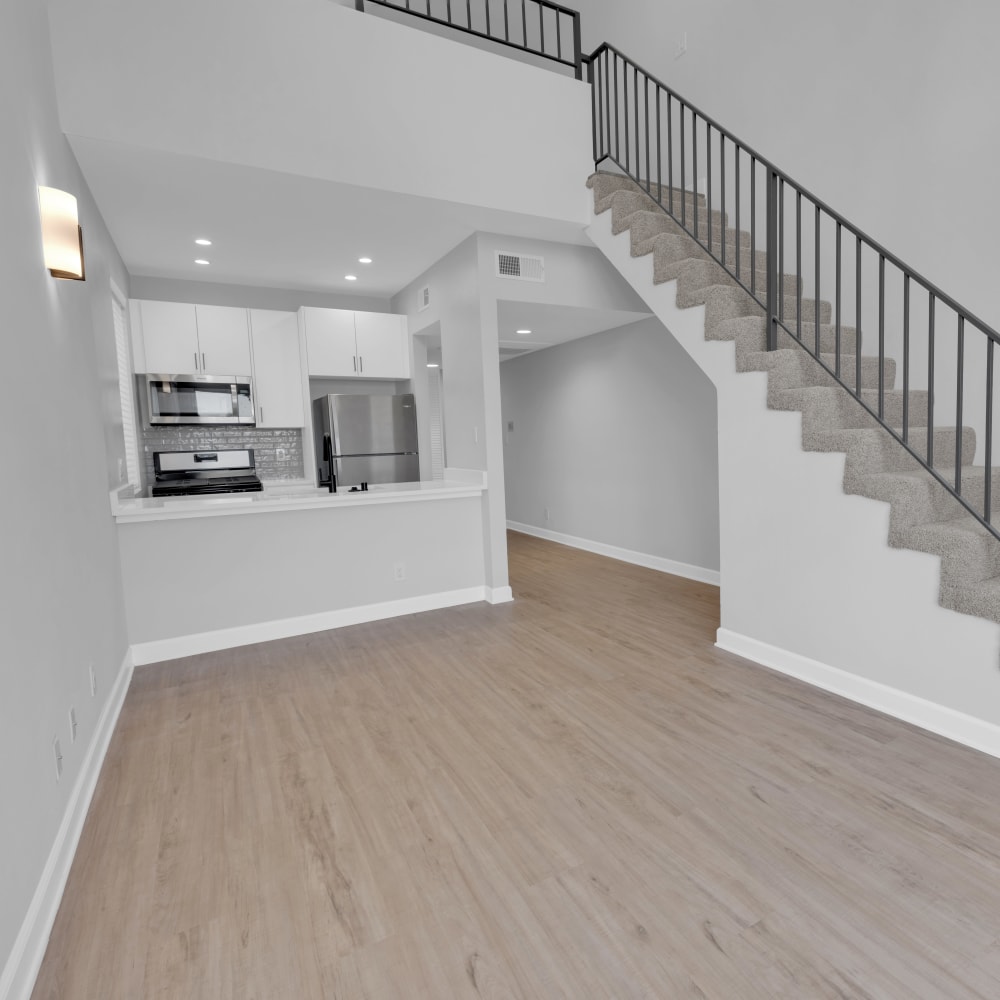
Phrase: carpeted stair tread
[924,515]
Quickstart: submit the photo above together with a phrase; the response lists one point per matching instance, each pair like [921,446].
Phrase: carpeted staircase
[924,516]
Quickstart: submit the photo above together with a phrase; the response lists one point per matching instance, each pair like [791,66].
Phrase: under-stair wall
[809,583]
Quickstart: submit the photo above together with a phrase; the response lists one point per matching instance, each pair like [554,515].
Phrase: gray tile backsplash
[265,444]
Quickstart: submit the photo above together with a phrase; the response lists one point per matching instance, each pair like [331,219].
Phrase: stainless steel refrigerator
[366,439]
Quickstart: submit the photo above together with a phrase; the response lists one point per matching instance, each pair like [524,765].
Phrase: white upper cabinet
[181,338]
[330,341]
[383,350]
[345,344]
[169,332]
[277,368]
[223,340]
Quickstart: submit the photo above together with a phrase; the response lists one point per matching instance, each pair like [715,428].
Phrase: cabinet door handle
[204,367]
[260,410]
[196,361]
[355,360]
[361,361]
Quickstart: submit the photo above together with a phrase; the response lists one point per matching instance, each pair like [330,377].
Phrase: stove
[198,473]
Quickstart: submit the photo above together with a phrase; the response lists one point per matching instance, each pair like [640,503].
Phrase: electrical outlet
[399,571]
[57,750]
[546,513]
[93,680]
[475,434]
[280,454]
[72,725]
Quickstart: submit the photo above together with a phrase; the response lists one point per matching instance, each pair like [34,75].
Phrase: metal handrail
[511,36]
[631,111]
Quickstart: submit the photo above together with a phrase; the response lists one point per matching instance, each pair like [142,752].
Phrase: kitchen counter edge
[276,497]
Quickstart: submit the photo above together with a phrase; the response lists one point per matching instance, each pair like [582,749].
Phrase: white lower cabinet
[277,368]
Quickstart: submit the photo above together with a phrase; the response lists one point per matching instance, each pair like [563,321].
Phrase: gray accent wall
[615,435]
[61,600]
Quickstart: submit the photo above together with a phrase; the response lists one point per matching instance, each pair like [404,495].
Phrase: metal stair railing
[540,27]
[654,136]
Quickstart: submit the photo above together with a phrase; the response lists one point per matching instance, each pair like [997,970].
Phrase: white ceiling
[277,230]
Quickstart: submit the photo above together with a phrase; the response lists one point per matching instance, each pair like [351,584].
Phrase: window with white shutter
[126,388]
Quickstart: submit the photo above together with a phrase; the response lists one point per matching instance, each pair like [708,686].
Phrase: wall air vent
[520,266]
[423,298]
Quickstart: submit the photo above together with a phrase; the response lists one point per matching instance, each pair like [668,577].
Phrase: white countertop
[290,496]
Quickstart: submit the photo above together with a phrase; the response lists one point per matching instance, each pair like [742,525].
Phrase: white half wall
[292,567]
[312,88]
[806,570]
[614,441]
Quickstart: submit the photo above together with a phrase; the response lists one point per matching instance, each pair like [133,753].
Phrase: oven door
[199,399]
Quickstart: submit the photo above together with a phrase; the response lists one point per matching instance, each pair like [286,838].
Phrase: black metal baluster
[988,486]
[683,188]
[816,312]
[649,173]
[839,268]
[618,152]
[488,31]
[708,179]
[670,149]
[781,244]
[881,337]
[930,383]
[694,166]
[506,21]
[722,211]
[541,28]
[736,155]
[958,405]
[772,258]
[753,226]
[449,10]
[906,358]
[857,320]
[468,13]
[628,145]
[635,101]
[592,71]
[659,151]
[558,37]
[577,49]
[798,264]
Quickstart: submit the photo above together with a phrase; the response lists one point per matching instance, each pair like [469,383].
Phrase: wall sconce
[62,237]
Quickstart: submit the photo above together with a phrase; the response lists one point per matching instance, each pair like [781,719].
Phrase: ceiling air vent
[520,266]
[423,298]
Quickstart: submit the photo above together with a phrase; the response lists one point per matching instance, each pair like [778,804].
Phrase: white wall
[884,110]
[60,427]
[312,88]
[616,435]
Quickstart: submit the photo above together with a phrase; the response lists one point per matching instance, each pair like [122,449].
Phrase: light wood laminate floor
[572,796]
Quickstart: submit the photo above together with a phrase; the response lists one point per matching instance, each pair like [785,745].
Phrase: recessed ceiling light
[201,261]
[204,243]
[430,364]
[350,277]
[364,260]
[524,331]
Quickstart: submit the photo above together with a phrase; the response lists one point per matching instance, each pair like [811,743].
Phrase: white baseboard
[623,555]
[21,970]
[158,650]
[499,595]
[944,721]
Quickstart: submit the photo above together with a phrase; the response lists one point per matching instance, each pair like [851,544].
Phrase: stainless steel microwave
[200,399]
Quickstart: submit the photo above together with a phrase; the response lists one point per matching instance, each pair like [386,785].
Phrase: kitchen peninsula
[206,573]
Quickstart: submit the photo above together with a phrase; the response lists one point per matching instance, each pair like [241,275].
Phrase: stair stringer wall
[809,584]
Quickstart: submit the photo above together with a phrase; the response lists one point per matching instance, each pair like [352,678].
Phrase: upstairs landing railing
[821,283]
[540,27]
